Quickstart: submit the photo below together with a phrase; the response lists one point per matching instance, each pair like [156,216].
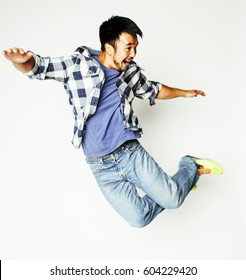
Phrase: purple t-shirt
[105,130]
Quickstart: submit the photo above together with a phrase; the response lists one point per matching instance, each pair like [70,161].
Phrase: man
[101,86]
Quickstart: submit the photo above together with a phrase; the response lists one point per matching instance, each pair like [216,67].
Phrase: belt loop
[113,157]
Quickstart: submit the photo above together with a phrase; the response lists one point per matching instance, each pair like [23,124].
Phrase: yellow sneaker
[207,166]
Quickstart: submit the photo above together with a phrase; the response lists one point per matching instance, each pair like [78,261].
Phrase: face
[124,52]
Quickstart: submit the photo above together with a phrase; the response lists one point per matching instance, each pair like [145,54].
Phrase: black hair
[111,29]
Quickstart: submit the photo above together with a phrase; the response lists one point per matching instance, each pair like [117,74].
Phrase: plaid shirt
[83,79]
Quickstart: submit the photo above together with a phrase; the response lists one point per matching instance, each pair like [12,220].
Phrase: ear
[109,49]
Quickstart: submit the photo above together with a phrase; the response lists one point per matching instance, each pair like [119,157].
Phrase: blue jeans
[130,167]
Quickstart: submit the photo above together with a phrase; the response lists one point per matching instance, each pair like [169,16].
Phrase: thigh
[123,195]
[144,172]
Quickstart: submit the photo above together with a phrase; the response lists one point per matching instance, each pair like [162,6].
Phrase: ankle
[203,171]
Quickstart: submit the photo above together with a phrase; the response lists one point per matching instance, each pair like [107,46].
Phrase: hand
[23,61]
[17,55]
[193,93]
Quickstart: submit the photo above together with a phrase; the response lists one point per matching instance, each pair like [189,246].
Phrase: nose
[133,52]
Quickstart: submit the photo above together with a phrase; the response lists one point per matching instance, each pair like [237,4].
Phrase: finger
[21,51]
[200,92]
[18,50]
[28,55]
[8,51]
[14,50]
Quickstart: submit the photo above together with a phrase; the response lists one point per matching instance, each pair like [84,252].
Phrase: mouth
[127,62]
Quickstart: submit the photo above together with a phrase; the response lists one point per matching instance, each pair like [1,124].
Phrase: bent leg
[121,173]
[136,210]
[122,195]
[167,191]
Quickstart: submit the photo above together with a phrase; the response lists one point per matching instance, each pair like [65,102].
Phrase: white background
[50,205]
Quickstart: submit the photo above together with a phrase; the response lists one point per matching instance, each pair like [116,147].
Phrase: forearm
[39,67]
[167,92]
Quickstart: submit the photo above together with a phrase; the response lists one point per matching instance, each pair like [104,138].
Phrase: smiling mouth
[127,61]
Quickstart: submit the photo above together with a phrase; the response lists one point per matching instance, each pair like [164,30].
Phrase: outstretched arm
[169,92]
[23,61]
[42,68]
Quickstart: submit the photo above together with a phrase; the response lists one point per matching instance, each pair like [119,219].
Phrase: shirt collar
[88,52]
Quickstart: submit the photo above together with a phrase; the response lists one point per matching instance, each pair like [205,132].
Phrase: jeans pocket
[96,167]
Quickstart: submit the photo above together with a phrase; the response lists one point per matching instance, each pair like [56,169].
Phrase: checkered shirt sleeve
[81,80]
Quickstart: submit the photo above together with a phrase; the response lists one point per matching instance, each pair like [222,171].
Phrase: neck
[105,59]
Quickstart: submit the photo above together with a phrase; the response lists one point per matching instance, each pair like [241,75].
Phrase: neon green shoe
[208,164]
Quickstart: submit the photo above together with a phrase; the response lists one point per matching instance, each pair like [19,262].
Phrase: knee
[139,224]
[173,204]
[139,221]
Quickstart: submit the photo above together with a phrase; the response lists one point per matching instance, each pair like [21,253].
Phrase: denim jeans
[130,167]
